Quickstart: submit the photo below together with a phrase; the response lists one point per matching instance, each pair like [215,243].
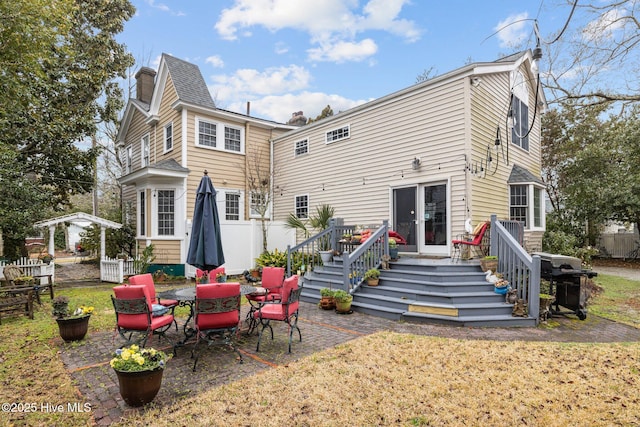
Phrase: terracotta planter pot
[139,388]
[73,329]
[373,282]
[327,303]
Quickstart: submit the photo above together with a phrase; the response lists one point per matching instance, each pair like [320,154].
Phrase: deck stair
[423,290]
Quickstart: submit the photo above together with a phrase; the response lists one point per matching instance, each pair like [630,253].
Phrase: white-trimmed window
[142,214]
[520,128]
[520,110]
[232,206]
[301,147]
[128,159]
[207,136]
[302,206]
[168,137]
[232,139]
[144,151]
[166,212]
[526,204]
[257,204]
[338,134]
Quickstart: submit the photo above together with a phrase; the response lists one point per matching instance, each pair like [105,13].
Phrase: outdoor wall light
[415,163]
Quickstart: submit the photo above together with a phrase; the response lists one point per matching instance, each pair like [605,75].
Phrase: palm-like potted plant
[372,276]
[318,222]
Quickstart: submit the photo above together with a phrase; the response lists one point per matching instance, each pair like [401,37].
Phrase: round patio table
[187,297]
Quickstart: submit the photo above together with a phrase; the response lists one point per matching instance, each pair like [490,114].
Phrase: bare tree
[594,59]
[259,182]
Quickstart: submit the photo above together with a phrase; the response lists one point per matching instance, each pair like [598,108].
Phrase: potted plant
[139,372]
[343,301]
[327,300]
[501,286]
[489,262]
[372,277]
[255,273]
[46,258]
[72,324]
[393,248]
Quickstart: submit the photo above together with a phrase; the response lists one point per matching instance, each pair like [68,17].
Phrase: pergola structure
[78,216]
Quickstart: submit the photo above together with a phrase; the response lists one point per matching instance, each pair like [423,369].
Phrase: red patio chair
[272,280]
[477,243]
[158,307]
[212,274]
[285,310]
[217,316]
[132,305]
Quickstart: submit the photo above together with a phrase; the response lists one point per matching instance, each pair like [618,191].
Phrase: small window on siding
[302,147]
[338,134]
[168,137]
[302,207]
[537,207]
[129,159]
[520,128]
[232,206]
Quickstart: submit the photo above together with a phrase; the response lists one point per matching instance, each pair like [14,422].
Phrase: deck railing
[305,256]
[520,269]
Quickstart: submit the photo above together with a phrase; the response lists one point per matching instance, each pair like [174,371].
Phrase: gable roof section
[520,175]
[188,81]
[78,216]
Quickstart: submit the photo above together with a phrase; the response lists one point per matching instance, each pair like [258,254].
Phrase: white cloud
[249,83]
[216,61]
[281,48]
[281,107]
[163,7]
[343,51]
[513,31]
[328,22]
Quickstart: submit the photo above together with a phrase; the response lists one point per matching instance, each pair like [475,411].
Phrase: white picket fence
[114,270]
[32,267]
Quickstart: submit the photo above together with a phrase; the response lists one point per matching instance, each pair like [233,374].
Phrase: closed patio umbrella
[205,248]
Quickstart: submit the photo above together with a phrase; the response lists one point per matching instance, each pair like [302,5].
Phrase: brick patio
[321,329]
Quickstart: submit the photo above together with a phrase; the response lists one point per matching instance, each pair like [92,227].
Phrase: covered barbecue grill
[567,281]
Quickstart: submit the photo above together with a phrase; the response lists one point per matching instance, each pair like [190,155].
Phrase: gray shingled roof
[143,105]
[169,164]
[520,175]
[188,81]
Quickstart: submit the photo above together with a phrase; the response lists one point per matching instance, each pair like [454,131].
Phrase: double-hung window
[144,150]
[207,133]
[520,112]
[232,206]
[232,139]
[143,214]
[258,204]
[302,206]
[166,212]
[129,158]
[526,205]
[168,137]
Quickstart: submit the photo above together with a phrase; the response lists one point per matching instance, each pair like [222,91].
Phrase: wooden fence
[619,245]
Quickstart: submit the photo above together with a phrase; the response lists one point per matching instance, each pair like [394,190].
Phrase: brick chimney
[297,119]
[144,84]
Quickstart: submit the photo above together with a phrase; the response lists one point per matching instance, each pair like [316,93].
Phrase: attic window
[338,134]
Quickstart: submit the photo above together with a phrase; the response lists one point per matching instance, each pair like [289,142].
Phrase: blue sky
[300,55]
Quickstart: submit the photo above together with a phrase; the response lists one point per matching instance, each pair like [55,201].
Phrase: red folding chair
[477,243]
[217,316]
